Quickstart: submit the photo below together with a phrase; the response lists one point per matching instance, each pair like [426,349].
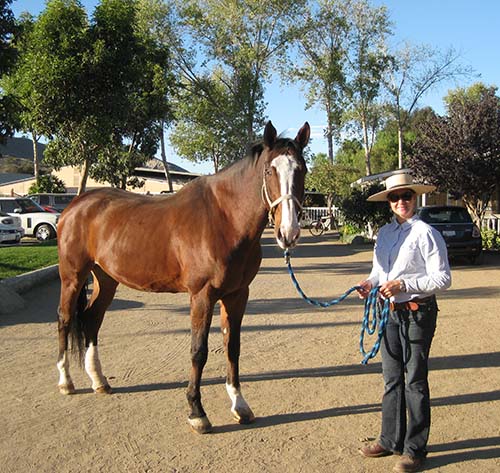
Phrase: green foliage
[357,211]
[210,126]
[222,107]
[491,239]
[320,43]
[7,58]
[331,179]
[93,86]
[17,260]
[350,229]
[7,30]
[47,183]
[460,152]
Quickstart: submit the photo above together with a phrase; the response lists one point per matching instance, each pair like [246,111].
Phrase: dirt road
[301,374]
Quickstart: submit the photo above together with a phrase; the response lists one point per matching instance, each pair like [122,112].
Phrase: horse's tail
[76,326]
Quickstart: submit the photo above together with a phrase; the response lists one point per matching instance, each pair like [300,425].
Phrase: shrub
[491,239]
[47,183]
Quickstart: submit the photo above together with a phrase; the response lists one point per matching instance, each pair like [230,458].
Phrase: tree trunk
[164,159]
[83,180]
[329,132]
[400,146]
[36,167]
[368,167]
[329,139]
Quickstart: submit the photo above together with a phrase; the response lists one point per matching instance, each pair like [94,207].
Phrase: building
[152,174]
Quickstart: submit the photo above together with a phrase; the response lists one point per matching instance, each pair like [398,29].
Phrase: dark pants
[405,352]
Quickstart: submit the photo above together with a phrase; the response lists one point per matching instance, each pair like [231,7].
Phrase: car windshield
[27,206]
[446,215]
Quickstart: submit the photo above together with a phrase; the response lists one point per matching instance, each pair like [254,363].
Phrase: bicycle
[318,227]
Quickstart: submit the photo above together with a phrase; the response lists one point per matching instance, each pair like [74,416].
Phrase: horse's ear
[269,135]
[303,135]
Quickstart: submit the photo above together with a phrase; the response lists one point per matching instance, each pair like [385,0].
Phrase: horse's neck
[240,194]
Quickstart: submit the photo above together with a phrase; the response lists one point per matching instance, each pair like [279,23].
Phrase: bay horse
[203,240]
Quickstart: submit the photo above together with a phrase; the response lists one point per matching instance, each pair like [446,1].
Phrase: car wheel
[44,232]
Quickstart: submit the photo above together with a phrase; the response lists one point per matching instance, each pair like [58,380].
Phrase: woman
[410,264]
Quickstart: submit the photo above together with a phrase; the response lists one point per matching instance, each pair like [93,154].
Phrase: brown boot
[374,451]
[407,463]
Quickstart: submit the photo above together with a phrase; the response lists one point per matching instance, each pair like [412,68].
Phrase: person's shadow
[472,449]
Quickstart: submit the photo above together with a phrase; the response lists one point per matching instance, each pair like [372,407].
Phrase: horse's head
[284,176]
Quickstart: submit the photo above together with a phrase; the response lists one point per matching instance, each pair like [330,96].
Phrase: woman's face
[403,203]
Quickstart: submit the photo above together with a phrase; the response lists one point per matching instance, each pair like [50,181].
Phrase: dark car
[462,236]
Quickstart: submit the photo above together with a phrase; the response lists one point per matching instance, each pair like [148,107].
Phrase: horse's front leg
[232,310]
[201,317]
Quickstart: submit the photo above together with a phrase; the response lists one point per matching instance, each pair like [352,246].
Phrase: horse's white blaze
[63,367]
[93,367]
[238,402]
[285,167]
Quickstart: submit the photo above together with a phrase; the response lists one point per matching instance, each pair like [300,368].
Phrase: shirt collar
[406,225]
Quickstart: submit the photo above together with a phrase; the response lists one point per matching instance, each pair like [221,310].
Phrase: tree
[331,180]
[19,86]
[7,59]
[47,183]
[460,152]
[317,62]
[366,63]
[201,132]
[415,71]
[363,214]
[233,43]
[98,88]
[156,21]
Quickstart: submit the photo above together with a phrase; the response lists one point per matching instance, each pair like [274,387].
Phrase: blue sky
[471,27]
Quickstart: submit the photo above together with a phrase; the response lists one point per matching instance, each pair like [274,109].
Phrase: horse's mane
[255,150]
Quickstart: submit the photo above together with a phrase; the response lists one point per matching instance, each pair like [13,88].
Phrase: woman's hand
[390,288]
[364,288]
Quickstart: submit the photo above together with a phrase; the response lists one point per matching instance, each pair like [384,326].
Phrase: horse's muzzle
[287,238]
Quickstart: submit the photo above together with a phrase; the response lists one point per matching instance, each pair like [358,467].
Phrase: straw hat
[400,181]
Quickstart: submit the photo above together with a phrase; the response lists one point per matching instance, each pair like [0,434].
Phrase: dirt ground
[301,374]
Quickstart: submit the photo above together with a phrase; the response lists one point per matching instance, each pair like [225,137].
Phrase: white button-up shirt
[414,252]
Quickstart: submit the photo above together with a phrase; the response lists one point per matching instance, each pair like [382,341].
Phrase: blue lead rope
[376,312]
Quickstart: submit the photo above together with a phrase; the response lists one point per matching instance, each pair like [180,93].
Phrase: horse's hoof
[106,389]
[67,388]
[200,425]
[244,416]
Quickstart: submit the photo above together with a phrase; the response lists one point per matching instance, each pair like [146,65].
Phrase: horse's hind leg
[201,317]
[73,299]
[103,292]
[232,310]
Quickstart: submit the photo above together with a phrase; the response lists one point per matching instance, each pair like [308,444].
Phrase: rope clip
[286,254]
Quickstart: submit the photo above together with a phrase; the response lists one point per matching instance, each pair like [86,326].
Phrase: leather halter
[273,204]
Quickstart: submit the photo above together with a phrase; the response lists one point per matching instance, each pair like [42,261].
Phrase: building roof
[157,164]
[9,177]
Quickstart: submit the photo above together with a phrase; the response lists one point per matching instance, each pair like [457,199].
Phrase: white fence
[310,214]
[491,223]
